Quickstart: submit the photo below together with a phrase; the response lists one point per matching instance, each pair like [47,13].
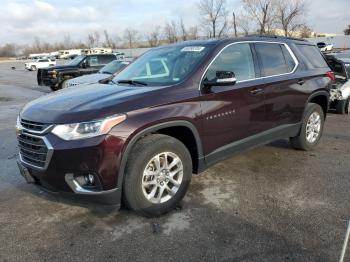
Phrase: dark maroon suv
[175,111]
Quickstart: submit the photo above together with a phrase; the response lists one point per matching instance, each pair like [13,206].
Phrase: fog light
[85,180]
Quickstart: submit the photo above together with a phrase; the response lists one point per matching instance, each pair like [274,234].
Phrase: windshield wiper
[106,72]
[132,82]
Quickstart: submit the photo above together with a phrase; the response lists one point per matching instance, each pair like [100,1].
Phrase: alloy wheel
[162,177]
[313,127]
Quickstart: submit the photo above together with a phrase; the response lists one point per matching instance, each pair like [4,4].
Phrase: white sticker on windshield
[193,49]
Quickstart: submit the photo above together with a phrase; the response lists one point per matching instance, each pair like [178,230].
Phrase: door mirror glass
[223,78]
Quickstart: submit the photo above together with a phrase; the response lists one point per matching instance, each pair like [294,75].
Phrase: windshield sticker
[193,49]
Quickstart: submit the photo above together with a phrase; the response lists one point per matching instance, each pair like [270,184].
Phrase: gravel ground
[269,204]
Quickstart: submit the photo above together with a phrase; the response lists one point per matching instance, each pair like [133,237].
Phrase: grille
[33,150]
[34,126]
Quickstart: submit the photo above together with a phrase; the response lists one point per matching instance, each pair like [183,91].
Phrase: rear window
[336,66]
[105,59]
[275,59]
[313,56]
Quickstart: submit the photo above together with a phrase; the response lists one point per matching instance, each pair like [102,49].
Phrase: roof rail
[277,36]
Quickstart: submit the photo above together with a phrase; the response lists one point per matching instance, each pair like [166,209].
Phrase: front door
[232,113]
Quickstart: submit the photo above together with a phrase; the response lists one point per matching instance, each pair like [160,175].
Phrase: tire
[54,88]
[302,141]
[33,68]
[141,161]
[342,106]
[62,85]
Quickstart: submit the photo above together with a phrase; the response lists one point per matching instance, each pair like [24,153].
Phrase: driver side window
[236,58]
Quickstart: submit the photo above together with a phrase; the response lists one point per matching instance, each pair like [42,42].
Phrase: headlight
[87,129]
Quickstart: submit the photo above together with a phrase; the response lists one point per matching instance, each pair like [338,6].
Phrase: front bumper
[99,156]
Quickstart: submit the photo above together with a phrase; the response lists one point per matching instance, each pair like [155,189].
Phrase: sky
[22,20]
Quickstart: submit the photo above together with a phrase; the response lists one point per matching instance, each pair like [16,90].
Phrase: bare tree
[183,30]
[262,11]
[154,37]
[130,35]
[305,32]
[91,40]
[234,23]
[97,38]
[108,41]
[192,33]
[244,23]
[170,32]
[214,15]
[37,46]
[67,41]
[8,50]
[290,15]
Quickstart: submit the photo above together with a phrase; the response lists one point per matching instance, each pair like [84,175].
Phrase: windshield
[164,66]
[76,60]
[113,67]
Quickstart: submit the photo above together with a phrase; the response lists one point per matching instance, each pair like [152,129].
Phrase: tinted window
[105,59]
[288,58]
[43,60]
[336,66]
[236,58]
[92,61]
[273,60]
[313,56]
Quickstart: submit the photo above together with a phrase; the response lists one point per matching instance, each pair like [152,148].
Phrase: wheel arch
[165,128]
[322,99]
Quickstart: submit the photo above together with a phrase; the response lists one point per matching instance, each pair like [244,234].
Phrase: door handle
[256,91]
[301,82]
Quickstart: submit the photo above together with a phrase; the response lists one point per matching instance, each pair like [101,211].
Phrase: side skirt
[248,143]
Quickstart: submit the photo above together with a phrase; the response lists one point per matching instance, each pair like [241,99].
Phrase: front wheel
[311,128]
[158,173]
[33,68]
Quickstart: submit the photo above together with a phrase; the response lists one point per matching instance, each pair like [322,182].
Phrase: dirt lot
[269,204]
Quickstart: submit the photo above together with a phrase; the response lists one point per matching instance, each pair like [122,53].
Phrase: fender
[151,129]
[319,93]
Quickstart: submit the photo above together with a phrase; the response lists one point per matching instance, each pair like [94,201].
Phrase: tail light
[331,75]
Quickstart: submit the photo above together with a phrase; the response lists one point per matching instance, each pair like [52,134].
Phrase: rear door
[281,86]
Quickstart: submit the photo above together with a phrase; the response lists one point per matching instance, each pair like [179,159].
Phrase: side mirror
[84,64]
[223,78]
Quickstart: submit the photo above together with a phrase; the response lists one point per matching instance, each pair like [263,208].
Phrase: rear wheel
[157,176]
[311,129]
[342,106]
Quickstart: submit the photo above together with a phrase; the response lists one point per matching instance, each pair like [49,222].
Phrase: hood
[62,67]
[87,79]
[86,103]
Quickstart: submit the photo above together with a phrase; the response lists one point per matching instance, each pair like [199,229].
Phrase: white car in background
[39,63]
[324,46]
